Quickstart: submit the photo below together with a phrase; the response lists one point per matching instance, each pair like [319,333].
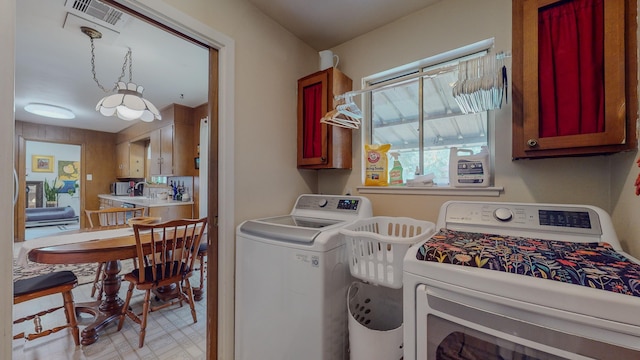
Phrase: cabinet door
[166,150]
[541,130]
[122,156]
[312,134]
[161,143]
[155,148]
[183,141]
[322,146]
[136,160]
[130,159]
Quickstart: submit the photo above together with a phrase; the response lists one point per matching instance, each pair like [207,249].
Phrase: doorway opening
[52,174]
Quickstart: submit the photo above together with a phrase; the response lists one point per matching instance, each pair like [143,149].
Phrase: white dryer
[516,281]
[292,278]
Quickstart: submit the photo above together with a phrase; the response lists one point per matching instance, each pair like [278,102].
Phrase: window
[420,117]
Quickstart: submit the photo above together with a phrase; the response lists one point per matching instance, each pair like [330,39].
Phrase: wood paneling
[97,158]
[171,114]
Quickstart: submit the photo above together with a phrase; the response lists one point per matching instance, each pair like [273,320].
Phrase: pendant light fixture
[127,103]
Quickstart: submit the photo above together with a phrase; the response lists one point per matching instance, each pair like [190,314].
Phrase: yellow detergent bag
[376,165]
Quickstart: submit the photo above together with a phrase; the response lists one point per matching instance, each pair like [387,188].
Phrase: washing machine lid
[292,228]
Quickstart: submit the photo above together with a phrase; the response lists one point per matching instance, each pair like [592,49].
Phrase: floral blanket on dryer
[596,265]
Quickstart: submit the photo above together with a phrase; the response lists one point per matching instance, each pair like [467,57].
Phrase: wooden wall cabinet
[171,140]
[170,150]
[620,84]
[161,143]
[130,159]
[322,146]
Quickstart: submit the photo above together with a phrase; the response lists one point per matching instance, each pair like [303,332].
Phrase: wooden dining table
[95,248]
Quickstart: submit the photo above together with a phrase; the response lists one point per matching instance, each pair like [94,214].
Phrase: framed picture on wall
[41,163]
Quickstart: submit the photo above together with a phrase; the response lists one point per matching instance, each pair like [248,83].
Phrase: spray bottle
[395,174]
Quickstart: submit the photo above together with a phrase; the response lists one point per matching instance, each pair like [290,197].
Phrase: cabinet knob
[532,142]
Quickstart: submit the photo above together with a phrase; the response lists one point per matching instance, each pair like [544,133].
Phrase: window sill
[432,190]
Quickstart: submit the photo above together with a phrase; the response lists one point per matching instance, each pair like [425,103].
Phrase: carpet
[85,272]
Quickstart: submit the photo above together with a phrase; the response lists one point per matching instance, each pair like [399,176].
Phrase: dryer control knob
[322,202]
[503,214]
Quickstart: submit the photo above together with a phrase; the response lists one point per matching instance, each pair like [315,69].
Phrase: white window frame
[403,73]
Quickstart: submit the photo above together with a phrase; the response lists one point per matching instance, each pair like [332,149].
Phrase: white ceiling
[53,59]
[324,24]
[53,65]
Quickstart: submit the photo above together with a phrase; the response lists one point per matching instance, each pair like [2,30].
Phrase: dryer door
[448,324]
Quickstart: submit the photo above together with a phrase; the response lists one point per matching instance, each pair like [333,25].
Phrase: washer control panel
[329,203]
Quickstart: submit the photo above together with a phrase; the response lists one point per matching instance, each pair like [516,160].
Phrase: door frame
[221,254]
[21,168]
[225,229]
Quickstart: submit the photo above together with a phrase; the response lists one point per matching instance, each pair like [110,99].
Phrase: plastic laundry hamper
[375,322]
[376,248]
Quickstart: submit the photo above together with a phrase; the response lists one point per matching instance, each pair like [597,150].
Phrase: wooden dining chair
[171,249]
[59,282]
[202,255]
[104,218]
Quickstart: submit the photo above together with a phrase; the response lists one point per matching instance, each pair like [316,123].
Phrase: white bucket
[375,322]
[467,169]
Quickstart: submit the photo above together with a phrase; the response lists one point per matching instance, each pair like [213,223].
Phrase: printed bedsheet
[596,265]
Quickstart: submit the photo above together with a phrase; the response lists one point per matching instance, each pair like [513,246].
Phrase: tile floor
[171,333]
[40,231]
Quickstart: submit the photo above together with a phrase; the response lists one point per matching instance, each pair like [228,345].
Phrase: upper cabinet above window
[574,77]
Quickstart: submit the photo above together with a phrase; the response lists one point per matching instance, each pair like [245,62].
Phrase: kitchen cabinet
[322,146]
[161,143]
[533,136]
[164,209]
[109,203]
[172,212]
[169,150]
[130,159]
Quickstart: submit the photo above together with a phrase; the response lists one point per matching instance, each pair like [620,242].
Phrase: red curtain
[571,68]
[312,100]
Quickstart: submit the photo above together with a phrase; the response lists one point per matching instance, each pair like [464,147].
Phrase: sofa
[47,216]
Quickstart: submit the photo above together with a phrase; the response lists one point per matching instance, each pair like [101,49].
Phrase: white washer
[292,278]
[515,315]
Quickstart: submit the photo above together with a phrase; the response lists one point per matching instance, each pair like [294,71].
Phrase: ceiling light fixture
[128,103]
[50,111]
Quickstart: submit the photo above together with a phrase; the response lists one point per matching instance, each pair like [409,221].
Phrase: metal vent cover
[99,12]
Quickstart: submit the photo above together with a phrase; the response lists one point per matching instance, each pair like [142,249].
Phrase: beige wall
[269,60]
[450,24]
[626,208]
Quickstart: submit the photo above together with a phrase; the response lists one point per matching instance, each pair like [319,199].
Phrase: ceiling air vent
[98,12]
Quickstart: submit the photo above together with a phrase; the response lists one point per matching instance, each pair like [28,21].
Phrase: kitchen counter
[143,201]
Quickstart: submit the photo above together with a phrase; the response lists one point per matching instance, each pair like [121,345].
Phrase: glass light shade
[128,104]
[50,111]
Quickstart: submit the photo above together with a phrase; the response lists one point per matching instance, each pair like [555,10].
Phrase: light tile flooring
[171,333]
[40,231]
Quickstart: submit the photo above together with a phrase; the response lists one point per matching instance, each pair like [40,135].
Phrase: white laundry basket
[375,322]
[376,247]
